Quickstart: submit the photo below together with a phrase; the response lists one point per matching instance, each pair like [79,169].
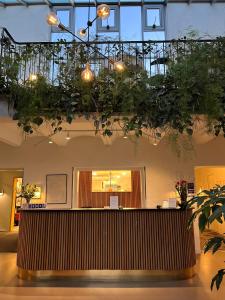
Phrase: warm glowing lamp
[50,142]
[52,19]
[1,193]
[119,66]
[33,77]
[87,75]
[82,32]
[103,11]
[68,136]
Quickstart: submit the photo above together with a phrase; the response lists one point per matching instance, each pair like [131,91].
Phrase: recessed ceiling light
[68,136]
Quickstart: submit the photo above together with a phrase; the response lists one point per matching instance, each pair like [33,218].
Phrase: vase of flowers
[182,190]
[27,192]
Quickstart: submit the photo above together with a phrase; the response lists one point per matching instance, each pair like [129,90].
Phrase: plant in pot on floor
[27,192]
[210,208]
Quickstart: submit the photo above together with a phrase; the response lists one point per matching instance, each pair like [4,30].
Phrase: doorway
[206,178]
[10,183]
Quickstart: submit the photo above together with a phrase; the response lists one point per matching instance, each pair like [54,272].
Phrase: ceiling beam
[48,2]
[22,2]
[72,3]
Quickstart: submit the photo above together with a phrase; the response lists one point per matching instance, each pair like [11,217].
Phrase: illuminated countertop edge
[97,209]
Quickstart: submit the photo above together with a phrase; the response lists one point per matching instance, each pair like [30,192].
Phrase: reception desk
[54,241]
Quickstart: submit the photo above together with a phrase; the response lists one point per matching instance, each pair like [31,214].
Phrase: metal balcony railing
[48,59]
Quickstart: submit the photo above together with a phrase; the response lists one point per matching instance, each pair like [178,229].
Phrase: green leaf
[202,222]
[217,279]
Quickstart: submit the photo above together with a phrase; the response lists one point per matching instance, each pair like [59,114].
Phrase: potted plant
[181,187]
[27,192]
[210,208]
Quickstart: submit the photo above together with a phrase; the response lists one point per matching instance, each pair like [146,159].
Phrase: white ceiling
[14,136]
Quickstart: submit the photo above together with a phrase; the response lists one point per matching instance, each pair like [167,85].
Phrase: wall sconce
[1,193]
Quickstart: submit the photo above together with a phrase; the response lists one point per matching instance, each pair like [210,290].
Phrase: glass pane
[111,181]
[64,17]
[108,36]
[130,23]
[107,1]
[158,1]
[56,36]
[81,19]
[111,20]
[84,1]
[35,1]
[9,1]
[153,17]
[59,1]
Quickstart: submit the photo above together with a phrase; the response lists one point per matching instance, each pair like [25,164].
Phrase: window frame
[55,29]
[116,28]
[110,179]
[148,28]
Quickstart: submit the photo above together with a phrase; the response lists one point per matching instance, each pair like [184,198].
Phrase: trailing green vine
[194,83]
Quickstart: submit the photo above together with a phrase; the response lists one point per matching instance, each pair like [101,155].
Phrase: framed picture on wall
[56,188]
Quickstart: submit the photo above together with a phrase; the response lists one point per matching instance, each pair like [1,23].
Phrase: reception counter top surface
[105,239]
[97,209]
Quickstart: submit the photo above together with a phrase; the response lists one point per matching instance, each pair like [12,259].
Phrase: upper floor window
[125,23]
[153,17]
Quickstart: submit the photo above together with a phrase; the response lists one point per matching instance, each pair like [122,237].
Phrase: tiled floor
[196,288]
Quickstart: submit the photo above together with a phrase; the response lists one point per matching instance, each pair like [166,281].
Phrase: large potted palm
[210,207]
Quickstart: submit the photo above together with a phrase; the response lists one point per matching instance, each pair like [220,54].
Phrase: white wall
[207,19]
[26,23]
[163,168]
[29,23]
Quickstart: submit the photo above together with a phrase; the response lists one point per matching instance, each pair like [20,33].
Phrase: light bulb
[125,136]
[87,74]
[50,142]
[103,11]
[82,32]
[119,66]
[68,136]
[33,77]
[52,19]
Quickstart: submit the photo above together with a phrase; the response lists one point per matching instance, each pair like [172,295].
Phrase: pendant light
[103,11]
[82,32]
[119,66]
[87,75]
[52,19]
[33,77]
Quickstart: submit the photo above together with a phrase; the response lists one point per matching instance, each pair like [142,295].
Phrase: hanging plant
[194,83]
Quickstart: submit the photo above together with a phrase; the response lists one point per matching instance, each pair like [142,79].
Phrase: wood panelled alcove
[135,239]
[87,198]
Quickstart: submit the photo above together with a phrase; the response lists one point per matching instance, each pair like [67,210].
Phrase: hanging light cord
[62,27]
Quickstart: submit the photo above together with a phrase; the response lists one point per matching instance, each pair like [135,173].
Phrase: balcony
[48,59]
[166,84]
